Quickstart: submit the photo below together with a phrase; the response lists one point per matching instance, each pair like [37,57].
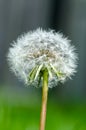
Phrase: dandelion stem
[44,100]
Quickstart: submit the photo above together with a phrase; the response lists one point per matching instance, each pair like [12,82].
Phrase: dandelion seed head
[38,47]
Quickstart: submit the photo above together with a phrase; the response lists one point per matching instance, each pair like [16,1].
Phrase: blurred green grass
[26,116]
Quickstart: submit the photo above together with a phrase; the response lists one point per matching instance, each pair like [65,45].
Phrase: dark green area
[21,116]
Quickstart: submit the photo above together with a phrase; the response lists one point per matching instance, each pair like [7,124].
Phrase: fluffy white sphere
[41,47]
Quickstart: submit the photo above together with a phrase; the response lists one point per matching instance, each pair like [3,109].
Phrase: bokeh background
[20,106]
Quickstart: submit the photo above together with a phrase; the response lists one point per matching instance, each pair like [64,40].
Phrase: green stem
[44,100]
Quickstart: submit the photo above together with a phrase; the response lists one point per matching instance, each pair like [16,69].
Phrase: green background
[22,112]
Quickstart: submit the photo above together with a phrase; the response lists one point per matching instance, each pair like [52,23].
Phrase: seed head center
[44,52]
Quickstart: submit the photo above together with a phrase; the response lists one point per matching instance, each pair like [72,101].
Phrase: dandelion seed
[46,48]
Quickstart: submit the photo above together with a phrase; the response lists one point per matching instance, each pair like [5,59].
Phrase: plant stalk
[44,100]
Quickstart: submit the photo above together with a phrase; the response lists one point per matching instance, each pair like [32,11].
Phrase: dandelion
[42,57]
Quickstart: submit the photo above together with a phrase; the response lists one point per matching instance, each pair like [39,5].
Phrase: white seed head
[43,48]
